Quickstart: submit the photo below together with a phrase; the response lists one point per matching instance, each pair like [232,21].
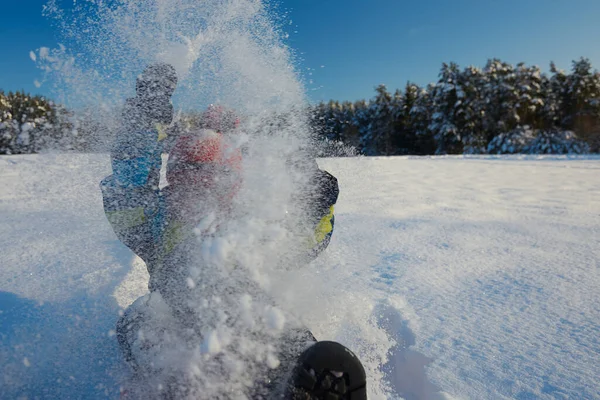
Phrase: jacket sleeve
[326,192]
[131,198]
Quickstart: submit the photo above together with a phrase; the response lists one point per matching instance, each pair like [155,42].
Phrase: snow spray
[242,289]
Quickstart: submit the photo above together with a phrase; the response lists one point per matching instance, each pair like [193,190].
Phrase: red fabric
[198,160]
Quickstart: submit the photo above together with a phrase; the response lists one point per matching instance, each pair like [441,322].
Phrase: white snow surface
[450,277]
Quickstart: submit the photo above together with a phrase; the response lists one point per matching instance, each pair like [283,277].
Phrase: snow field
[476,275]
[496,260]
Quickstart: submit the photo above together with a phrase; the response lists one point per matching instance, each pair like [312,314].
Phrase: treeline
[500,109]
[29,124]
[32,124]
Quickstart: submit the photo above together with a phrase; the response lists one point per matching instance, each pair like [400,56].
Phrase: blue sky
[362,43]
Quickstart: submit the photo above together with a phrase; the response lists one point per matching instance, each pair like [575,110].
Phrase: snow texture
[476,275]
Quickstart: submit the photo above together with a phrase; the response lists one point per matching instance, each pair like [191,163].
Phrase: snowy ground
[489,266]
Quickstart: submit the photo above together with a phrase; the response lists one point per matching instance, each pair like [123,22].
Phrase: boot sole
[328,371]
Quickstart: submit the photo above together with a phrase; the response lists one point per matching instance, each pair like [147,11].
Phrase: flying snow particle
[216,250]
[195,272]
[44,52]
[205,224]
[190,283]
[246,301]
[211,344]
[275,319]
[247,317]
[26,362]
[272,361]
[32,56]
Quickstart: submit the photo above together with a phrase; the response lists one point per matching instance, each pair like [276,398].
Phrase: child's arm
[132,201]
[324,198]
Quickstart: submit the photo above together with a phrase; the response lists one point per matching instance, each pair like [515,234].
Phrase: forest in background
[498,109]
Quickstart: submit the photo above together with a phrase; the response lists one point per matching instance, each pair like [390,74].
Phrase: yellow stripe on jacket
[128,218]
[175,234]
[324,227]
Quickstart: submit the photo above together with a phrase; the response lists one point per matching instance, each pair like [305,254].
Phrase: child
[203,175]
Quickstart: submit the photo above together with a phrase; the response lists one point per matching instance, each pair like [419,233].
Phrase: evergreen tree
[530,95]
[316,116]
[400,142]
[513,142]
[421,115]
[582,107]
[553,89]
[501,98]
[334,120]
[28,124]
[411,95]
[556,142]
[471,110]
[349,133]
[361,122]
[447,98]
[6,126]
[382,121]
[377,139]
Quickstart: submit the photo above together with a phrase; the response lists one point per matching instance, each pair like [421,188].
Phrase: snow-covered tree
[499,109]
[554,90]
[556,142]
[583,87]
[471,110]
[361,121]
[28,124]
[447,98]
[530,96]
[334,120]
[420,119]
[349,132]
[377,139]
[512,142]
[583,104]
[400,141]
[501,98]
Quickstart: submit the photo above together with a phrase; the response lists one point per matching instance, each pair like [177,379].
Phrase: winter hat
[157,80]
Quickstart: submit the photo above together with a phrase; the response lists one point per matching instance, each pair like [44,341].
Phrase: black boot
[328,371]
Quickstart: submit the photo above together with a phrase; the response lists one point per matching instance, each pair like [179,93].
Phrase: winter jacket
[147,219]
